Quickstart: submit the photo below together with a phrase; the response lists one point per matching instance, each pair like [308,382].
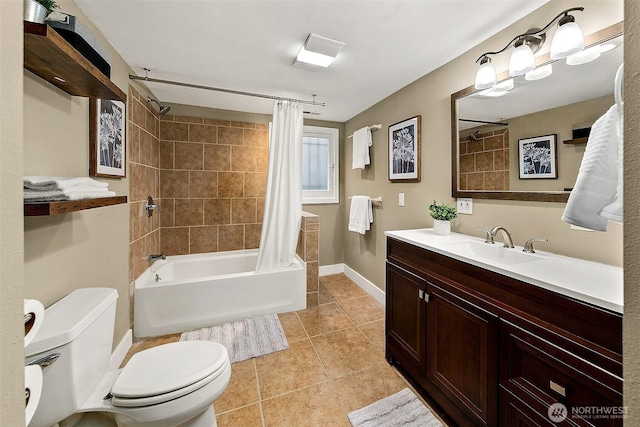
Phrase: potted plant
[37,10]
[442,216]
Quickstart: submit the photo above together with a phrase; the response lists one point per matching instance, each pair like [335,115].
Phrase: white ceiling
[250,46]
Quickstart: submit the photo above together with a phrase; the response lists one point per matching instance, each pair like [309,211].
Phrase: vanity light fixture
[567,40]
[584,56]
[317,53]
[539,73]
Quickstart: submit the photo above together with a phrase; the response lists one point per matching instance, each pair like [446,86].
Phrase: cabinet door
[405,318]
[462,354]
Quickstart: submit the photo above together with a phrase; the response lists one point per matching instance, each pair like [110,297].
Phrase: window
[320,165]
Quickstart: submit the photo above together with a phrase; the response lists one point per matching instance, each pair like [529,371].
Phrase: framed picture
[537,157]
[404,150]
[107,149]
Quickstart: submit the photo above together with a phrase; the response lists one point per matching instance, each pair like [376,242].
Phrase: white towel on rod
[361,143]
[360,214]
[599,178]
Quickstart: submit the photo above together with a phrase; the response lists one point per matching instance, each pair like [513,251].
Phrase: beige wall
[82,249]
[631,320]
[430,97]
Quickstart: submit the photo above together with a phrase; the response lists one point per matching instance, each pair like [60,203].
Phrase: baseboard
[120,352]
[326,270]
[368,286]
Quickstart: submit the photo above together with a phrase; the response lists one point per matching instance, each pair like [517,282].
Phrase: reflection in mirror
[487,125]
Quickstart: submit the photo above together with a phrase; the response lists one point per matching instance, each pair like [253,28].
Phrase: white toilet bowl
[171,385]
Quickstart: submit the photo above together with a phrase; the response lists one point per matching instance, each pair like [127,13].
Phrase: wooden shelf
[576,141]
[56,208]
[51,57]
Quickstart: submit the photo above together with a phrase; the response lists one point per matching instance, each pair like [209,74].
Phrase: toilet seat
[168,372]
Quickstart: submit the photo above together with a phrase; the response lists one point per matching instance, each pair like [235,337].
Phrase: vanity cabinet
[492,350]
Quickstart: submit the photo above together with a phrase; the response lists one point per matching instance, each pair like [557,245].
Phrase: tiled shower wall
[308,246]
[213,177]
[484,163]
[143,150]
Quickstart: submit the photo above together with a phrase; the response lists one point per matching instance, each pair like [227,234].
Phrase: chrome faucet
[528,245]
[152,258]
[489,236]
[506,236]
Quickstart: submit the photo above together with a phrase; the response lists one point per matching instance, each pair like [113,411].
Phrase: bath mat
[244,339]
[400,409]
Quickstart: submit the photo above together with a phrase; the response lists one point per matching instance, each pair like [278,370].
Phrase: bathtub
[186,292]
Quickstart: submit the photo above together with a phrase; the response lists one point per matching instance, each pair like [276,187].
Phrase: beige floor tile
[323,319]
[248,416]
[242,389]
[292,326]
[147,343]
[289,370]
[345,351]
[374,332]
[343,288]
[324,297]
[362,309]
[368,385]
[318,405]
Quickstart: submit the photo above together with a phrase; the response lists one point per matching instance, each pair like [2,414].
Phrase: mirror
[490,128]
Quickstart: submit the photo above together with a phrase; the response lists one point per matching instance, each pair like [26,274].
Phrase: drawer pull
[557,388]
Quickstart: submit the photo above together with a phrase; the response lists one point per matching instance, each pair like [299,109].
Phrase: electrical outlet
[400,199]
[465,206]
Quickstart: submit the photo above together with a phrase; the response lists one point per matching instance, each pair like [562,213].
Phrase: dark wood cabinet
[491,350]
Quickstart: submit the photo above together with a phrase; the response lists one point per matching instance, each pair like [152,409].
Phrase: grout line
[255,368]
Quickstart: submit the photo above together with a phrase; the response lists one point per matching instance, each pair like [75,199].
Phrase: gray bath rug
[400,409]
[244,339]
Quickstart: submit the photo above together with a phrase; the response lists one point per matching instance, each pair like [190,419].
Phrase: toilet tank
[79,328]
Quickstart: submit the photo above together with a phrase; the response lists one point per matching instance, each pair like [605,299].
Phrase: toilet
[171,385]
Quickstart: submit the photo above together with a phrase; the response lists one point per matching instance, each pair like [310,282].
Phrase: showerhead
[162,109]
[474,136]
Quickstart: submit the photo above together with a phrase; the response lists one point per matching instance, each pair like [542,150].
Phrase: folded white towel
[60,183]
[33,196]
[360,214]
[361,143]
[599,175]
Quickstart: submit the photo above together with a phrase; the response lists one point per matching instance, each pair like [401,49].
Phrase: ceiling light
[539,73]
[584,56]
[317,53]
[568,38]
[486,76]
[522,60]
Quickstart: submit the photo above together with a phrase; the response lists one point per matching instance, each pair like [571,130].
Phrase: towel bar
[372,127]
[374,200]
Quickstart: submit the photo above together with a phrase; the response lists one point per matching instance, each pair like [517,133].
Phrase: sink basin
[496,253]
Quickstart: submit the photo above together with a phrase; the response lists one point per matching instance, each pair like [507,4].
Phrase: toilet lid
[166,368]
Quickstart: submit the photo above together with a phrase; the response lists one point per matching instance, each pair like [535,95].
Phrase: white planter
[442,228]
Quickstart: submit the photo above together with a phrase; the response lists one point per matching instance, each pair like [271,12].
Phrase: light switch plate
[400,199]
[465,206]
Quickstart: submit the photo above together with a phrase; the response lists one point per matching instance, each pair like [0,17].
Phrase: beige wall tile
[230,237]
[167,154]
[138,113]
[262,159]
[167,212]
[300,245]
[203,184]
[217,211]
[312,276]
[256,137]
[484,161]
[203,133]
[170,131]
[189,156]
[260,209]
[230,136]
[243,158]
[174,241]
[252,233]
[217,122]
[187,119]
[174,184]
[255,184]
[247,125]
[217,157]
[230,184]
[243,211]
[189,212]
[133,143]
[203,239]
[311,246]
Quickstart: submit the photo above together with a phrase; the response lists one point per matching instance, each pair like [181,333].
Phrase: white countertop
[591,282]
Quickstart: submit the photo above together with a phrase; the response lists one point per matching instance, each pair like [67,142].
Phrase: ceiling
[250,46]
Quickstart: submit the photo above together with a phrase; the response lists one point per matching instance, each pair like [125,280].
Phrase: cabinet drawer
[541,373]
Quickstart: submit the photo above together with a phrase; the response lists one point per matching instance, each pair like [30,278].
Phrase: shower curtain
[283,202]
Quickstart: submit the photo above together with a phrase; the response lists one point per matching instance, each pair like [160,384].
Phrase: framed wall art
[537,157]
[107,149]
[405,150]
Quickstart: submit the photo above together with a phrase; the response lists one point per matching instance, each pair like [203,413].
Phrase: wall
[11,234]
[430,97]
[631,319]
[484,162]
[82,249]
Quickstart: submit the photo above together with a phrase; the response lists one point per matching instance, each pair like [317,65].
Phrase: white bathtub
[195,291]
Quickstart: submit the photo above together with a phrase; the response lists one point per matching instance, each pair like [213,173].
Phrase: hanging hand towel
[360,214]
[598,177]
[361,143]
[614,211]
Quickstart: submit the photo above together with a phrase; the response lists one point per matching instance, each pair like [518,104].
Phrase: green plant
[49,5]
[443,212]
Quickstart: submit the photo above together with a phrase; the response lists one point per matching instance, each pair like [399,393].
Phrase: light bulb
[522,60]
[486,76]
[568,39]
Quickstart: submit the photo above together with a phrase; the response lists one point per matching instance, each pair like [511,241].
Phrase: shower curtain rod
[218,89]
[482,121]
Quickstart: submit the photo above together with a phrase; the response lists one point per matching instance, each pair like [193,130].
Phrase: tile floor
[334,365]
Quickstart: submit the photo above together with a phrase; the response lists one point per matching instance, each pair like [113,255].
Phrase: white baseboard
[326,270]
[121,351]
[368,286]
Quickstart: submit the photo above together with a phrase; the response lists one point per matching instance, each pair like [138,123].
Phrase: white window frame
[333,194]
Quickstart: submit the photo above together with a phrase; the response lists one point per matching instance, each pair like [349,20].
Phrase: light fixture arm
[531,35]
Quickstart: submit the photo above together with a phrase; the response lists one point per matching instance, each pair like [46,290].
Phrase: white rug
[400,409]
[244,339]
